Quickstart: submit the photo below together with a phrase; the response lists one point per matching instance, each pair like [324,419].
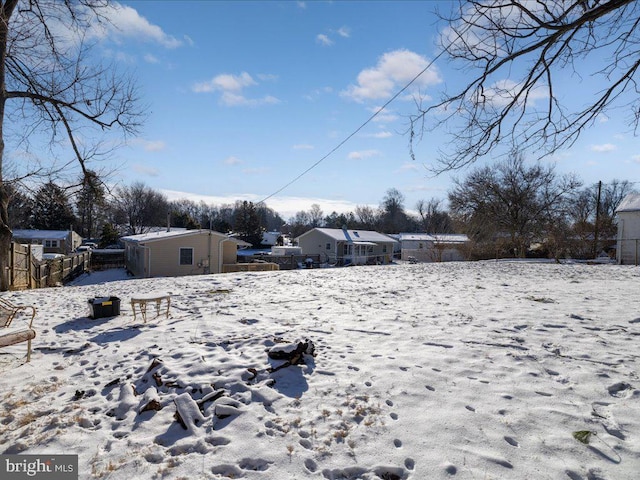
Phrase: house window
[384,249]
[328,247]
[51,243]
[186,256]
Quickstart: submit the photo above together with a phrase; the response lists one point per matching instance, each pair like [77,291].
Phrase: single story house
[628,242]
[347,247]
[270,239]
[434,247]
[173,253]
[52,241]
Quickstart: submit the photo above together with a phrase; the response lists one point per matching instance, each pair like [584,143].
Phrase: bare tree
[511,201]
[592,214]
[513,52]
[140,207]
[50,82]
[434,219]
[393,218]
[316,216]
[367,217]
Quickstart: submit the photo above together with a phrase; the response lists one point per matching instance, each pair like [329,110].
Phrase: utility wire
[350,136]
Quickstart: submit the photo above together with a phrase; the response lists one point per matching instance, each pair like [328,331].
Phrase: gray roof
[434,237]
[162,235]
[354,236]
[630,203]
[41,234]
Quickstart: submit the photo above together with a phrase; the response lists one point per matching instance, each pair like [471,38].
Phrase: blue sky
[244,96]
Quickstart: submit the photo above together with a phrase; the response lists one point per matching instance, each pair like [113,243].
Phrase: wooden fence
[285,262]
[107,258]
[25,271]
[249,267]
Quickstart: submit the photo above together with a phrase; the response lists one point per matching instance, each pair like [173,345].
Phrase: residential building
[172,253]
[628,242]
[347,247]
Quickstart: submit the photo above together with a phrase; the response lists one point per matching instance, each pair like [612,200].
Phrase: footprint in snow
[511,441]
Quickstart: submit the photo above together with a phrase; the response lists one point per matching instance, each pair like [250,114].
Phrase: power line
[346,139]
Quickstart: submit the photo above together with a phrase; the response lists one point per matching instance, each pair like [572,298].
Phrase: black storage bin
[104,307]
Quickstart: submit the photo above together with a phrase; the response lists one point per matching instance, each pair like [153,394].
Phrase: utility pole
[595,230]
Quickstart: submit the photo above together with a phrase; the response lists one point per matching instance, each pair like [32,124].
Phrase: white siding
[628,248]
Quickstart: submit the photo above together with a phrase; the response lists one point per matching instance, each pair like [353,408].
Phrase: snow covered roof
[354,235]
[434,237]
[41,234]
[162,235]
[630,203]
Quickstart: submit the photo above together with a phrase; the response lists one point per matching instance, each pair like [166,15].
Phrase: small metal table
[142,300]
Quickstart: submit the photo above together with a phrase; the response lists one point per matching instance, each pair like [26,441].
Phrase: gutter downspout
[620,243]
[220,251]
[147,251]
[207,270]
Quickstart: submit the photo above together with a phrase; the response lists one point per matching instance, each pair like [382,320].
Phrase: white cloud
[151,58]
[124,21]
[327,41]
[231,99]
[502,92]
[344,32]
[232,87]
[362,154]
[409,167]
[315,94]
[323,39]
[636,158]
[392,72]
[303,146]
[228,82]
[603,148]
[384,134]
[232,160]
[385,116]
[232,82]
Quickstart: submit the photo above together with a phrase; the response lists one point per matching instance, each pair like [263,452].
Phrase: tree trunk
[5,231]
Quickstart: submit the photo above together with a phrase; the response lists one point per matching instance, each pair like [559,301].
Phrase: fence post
[29,269]
[12,262]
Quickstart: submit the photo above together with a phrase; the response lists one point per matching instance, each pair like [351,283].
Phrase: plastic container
[104,307]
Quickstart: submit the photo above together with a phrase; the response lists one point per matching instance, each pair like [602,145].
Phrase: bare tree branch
[499,110]
[51,82]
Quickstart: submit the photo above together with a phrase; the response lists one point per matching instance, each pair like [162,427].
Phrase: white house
[269,239]
[436,247]
[628,244]
[52,241]
[347,247]
[172,253]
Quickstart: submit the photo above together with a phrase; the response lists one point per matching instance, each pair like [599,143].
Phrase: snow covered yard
[429,371]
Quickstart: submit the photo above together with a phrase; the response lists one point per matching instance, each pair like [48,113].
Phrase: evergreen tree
[90,204]
[20,208]
[109,236]
[247,223]
[51,209]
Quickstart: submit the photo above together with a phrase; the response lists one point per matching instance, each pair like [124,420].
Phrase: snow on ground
[430,371]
